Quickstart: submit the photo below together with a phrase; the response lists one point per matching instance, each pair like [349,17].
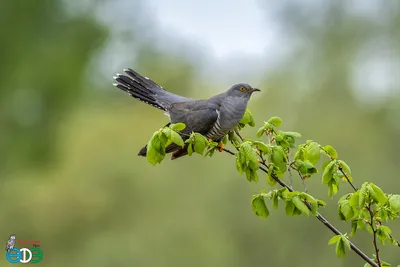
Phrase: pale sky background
[235,40]
[225,26]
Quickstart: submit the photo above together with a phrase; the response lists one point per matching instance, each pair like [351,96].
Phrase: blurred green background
[69,172]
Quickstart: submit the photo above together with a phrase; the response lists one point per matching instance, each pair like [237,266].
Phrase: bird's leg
[221,146]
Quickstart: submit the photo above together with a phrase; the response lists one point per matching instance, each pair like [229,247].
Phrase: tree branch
[322,219]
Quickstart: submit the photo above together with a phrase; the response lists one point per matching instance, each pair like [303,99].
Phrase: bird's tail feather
[138,86]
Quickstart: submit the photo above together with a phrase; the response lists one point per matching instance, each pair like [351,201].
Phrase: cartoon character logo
[11,243]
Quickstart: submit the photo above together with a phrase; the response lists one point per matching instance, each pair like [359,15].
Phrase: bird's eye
[242,89]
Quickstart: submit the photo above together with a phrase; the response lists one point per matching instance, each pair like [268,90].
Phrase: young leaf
[364,195]
[271,181]
[155,149]
[276,121]
[278,158]
[346,212]
[394,202]
[379,195]
[177,139]
[330,151]
[177,127]
[259,206]
[260,132]
[334,239]
[346,242]
[247,119]
[340,248]
[328,172]
[275,201]
[261,146]
[298,202]
[344,166]
[293,134]
[354,226]
[313,153]
[289,208]
[200,143]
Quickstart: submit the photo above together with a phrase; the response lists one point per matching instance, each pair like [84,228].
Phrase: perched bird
[10,243]
[213,117]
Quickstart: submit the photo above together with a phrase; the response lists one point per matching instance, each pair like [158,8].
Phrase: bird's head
[12,236]
[242,90]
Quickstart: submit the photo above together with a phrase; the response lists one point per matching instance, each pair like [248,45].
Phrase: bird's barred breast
[229,115]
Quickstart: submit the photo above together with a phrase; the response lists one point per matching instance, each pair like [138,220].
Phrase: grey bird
[213,118]
[10,243]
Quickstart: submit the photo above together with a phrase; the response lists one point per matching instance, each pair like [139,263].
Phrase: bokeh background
[69,172]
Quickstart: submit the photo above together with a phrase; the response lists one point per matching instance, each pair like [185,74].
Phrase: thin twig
[378,260]
[301,176]
[322,219]
[290,171]
[347,178]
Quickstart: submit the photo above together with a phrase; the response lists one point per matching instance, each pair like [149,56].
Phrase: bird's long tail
[141,88]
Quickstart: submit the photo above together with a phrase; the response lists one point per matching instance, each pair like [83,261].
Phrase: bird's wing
[146,90]
[199,116]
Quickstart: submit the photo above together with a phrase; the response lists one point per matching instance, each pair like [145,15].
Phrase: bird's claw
[221,146]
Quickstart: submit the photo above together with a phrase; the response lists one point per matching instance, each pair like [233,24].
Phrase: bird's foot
[221,146]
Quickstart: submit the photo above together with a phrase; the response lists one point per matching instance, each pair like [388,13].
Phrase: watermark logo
[23,255]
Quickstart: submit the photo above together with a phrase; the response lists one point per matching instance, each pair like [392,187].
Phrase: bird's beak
[255,90]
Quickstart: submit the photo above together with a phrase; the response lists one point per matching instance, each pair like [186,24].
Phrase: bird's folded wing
[199,116]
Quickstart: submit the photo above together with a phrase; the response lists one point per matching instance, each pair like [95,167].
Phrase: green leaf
[278,158]
[379,195]
[200,143]
[313,153]
[328,172]
[330,151]
[383,233]
[275,200]
[225,140]
[346,212]
[276,121]
[247,118]
[271,181]
[155,149]
[293,134]
[289,209]
[239,166]
[190,149]
[346,242]
[340,248]
[260,132]
[344,166]
[298,202]
[363,196]
[300,153]
[394,202]
[332,189]
[259,206]
[334,239]
[177,139]
[261,146]
[354,226]
[321,203]
[249,155]
[167,132]
[354,199]
[177,127]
